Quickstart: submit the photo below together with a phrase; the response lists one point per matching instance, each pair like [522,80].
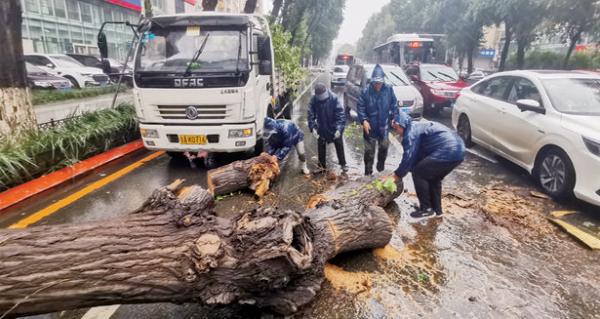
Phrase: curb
[20,193]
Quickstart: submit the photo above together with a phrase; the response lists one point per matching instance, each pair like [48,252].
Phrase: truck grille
[205,112]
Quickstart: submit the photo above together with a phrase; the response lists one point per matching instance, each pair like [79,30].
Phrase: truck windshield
[170,49]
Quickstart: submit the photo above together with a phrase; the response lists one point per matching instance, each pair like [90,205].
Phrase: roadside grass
[49,96]
[40,152]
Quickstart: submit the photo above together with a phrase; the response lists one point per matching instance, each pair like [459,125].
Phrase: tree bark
[148,8]
[250,6]
[505,47]
[209,5]
[521,46]
[16,110]
[175,249]
[256,173]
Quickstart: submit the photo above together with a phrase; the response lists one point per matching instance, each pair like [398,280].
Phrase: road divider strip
[41,214]
[22,192]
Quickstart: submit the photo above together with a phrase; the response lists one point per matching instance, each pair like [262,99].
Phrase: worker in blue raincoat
[280,136]
[431,151]
[326,121]
[377,108]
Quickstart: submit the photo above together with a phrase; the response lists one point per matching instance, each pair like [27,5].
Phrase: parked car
[338,75]
[116,67]
[439,84]
[409,99]
[68,68]
[40,79]
[547,122]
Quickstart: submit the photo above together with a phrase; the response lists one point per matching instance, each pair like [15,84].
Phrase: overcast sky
[356,15]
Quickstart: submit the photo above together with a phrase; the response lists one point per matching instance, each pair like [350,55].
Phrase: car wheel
[555,174]
[73,82]
[464,130]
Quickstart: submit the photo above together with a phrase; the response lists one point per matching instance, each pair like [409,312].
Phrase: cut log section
[175,249]
[256,174]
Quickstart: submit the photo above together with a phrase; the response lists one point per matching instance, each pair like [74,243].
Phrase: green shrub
[49,96]
[541,59]
[287,58]
[40,152]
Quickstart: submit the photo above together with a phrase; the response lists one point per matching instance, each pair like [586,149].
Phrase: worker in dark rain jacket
[377,108]
[280,136]
[326,121]
[431,151]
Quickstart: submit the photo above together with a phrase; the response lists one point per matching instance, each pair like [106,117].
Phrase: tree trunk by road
[250,6]
[256,173]
[277,4]
[521,46]
[148,8]
[573,39]
[16,110]
[176,249]
[209,5]
[505,47]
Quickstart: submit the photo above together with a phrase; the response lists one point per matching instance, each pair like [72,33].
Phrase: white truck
[204,82]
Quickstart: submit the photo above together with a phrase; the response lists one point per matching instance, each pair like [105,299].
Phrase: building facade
[71,26]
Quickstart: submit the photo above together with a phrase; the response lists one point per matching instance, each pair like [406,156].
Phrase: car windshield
[574,96]
[66,61]
[170,49]
[396,77]
[438,73]
[393,76]
[32,69]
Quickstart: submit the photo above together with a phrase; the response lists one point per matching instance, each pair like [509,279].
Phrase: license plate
[193,139]
[406,109]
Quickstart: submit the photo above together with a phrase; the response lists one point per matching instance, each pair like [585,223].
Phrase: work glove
[337,135]
[315,134]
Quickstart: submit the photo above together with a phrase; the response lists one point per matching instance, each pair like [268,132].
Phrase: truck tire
[259,147]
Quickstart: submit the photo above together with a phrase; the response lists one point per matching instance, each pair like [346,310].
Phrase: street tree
[571,19]
[277,5]
[148,8]
[209,5]
[346,48]
[16,110]
[250,6]
[379,27]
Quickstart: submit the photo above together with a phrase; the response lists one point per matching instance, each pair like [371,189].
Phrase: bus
[345,59]
[407,48]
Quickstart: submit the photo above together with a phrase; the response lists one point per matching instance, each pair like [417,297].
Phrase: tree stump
[175,249]
[256,174]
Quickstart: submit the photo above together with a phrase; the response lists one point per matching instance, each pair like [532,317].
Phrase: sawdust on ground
[352,282]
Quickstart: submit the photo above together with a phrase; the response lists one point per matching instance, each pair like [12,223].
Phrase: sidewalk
[60,110]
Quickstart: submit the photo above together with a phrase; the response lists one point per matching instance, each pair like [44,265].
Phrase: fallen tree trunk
[175,249]
[256,173]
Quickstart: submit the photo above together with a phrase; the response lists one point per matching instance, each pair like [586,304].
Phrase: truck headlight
[593,147]
[146,133]
[241,133]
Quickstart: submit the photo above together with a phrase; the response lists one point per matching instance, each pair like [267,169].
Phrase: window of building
[73,10]
[107,14]
[32,6]
[86,12]
[97,13]
[59,8]
[46,7]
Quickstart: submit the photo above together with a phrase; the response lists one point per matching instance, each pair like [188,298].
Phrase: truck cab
[203,82]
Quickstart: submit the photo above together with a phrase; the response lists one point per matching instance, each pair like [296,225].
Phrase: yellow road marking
[39,215]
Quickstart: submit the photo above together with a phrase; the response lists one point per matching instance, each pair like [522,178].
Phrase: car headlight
[593,147]
[42,84]
[240,133]
[147,133]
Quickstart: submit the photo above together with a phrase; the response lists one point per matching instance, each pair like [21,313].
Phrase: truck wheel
[555,173]
[259,147]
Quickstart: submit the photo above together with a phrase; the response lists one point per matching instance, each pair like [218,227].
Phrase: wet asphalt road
[468,264]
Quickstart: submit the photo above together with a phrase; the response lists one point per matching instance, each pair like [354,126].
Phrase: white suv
[547,122]
[69,68]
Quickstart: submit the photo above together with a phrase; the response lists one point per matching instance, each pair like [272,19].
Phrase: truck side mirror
[264,48]
[102,45]
[265,67]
